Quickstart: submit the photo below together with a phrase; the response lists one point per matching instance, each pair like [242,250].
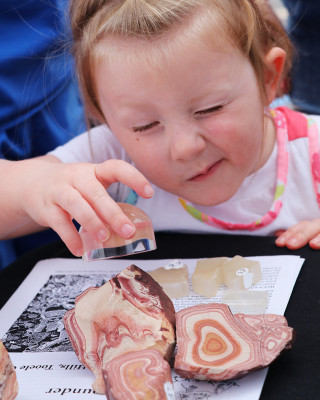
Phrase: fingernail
[127,229]
[148,191]
[79,253]
[280,240]
[103,235]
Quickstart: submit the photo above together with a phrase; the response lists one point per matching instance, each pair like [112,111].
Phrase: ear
[274,61]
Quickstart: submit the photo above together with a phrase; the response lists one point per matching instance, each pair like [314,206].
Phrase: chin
[208,201]
[202,202]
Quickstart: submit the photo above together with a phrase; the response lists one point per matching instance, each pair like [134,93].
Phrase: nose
[186,142]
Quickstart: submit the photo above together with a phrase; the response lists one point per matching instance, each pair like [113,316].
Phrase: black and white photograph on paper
[40,327]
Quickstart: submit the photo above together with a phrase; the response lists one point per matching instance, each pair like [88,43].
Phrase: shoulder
[104,145]
[298,124]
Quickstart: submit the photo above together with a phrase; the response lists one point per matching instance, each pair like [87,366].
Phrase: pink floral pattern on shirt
[314,156]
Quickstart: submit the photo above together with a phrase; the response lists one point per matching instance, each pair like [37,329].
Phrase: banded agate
[213,344]
[8,379]
[128,313]
[137,375]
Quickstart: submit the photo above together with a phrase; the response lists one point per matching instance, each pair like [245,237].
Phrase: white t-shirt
[251,202]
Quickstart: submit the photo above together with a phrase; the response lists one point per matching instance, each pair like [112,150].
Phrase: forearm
[16,179]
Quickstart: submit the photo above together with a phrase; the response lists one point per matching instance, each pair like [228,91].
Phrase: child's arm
[300,234]
[43,192]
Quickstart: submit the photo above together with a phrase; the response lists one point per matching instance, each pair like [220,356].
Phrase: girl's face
[192,122]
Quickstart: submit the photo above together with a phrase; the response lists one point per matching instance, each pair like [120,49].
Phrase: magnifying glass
[115,245]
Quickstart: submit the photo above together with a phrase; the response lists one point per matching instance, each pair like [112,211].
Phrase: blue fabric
[304,30]
[40,107]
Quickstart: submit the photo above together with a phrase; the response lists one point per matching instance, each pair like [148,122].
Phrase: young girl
[182,90]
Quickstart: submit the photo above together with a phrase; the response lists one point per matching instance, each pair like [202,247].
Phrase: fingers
[112,171]
[85,199]
[62,192]
[301,234]
[76,205]
[105,208]
[315,242]
[61,223]
[71,203]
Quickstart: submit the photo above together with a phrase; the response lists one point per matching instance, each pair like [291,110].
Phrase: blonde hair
[249,25]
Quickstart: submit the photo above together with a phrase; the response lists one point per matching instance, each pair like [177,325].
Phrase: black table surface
[295,374]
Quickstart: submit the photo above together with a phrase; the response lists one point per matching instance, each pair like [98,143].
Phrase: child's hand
[54,193]
[299,235]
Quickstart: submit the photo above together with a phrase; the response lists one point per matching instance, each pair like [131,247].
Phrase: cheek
[239,139]
[148,157]
[224,134]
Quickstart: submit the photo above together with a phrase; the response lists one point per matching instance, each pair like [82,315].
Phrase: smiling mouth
[205,173]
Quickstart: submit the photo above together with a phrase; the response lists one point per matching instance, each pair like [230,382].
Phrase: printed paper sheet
[32,330]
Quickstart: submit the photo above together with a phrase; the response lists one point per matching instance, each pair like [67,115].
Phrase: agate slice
[213,344]
[139,375]
[174,279]
[8,378]
[128,313]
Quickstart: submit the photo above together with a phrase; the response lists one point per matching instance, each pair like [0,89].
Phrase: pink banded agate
[128,313]
[139,375]
[213,344]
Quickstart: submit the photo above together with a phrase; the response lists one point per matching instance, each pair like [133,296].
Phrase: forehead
[181,60]
[159,63]
[186,76]
[194,32]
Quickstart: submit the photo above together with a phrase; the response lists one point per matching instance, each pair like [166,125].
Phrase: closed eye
[145,127]
[209,110]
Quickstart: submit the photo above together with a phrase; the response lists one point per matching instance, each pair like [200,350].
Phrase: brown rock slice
[128,313]
[8,378]
[213,344]
[141,375]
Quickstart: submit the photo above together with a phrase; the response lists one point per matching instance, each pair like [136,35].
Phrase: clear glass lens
[116,246]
